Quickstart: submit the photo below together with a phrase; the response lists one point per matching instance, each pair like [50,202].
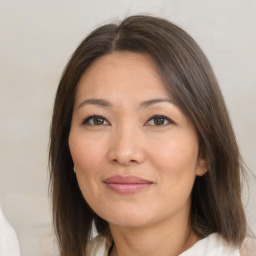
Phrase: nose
[126,147]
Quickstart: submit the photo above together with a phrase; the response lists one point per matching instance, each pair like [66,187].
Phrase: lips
[127,184]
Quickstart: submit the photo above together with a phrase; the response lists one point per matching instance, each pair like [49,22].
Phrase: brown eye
[95,120]
[98,121]
[159,120]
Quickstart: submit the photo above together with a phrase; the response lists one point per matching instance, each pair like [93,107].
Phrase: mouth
[127,184]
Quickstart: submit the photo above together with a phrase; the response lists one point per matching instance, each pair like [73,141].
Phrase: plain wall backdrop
[36,41]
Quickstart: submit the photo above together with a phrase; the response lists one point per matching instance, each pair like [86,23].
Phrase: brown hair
[216,197]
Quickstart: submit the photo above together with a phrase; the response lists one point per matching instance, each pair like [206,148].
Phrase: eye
[159,120]
[95,120]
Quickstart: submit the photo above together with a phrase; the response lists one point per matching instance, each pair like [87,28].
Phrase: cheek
[176,174]
[86,153]
[176,160]
[87,158]
[179,155]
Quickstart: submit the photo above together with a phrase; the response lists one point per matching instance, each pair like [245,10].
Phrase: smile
[127,184]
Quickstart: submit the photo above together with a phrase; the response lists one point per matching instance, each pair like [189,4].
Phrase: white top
[213,245]
[9,245]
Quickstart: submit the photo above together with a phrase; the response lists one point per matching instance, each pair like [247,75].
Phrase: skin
[125,141]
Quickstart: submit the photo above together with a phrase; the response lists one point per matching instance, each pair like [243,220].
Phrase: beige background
[36,40]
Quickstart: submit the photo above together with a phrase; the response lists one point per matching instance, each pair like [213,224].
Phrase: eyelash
[163,118]
[90,118]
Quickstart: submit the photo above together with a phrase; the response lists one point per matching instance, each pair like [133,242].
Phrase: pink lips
[127,184]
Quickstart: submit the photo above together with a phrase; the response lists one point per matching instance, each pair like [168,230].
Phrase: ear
[201,167]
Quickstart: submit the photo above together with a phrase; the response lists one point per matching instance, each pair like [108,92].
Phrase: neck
[168,238]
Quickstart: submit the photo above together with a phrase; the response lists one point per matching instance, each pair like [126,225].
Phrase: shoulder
[248,247]
[98,246]
[9,244]
[213,245]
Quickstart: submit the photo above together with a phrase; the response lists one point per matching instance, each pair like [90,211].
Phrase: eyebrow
[144,104]
[148,103]
[99,102]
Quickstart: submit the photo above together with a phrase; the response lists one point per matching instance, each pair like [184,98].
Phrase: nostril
[124,162]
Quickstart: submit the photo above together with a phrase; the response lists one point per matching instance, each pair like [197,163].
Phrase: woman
[142,147]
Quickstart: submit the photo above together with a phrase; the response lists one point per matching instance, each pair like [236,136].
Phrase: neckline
[110,244]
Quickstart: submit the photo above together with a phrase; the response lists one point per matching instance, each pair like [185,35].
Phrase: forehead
[121,74]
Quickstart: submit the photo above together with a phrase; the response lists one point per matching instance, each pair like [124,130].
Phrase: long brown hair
[216,197]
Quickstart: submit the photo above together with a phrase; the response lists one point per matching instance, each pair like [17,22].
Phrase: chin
[127,218]
[129,223]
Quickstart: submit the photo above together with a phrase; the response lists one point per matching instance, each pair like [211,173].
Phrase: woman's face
[135,153]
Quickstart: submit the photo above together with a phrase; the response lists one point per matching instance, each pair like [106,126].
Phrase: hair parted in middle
[185,71]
